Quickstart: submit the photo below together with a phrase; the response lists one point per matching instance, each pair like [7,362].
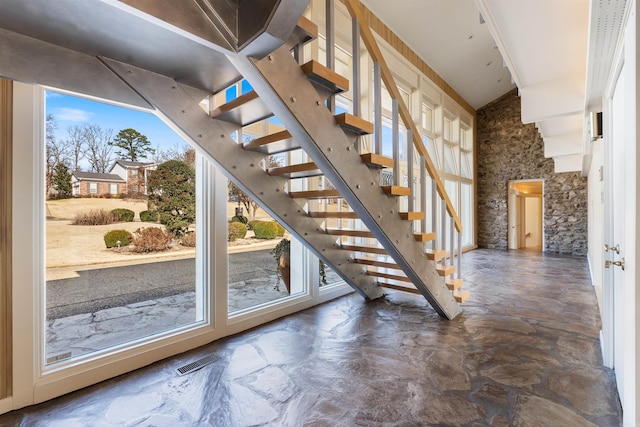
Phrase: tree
[76,144]
[132,145]
[62,180]
[182,152]
[98,147]
[172,194]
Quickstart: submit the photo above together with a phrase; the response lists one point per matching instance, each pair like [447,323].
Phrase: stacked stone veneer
[509,150]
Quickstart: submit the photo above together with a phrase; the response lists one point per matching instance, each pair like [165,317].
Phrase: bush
[280,229]
[175,224]
[189,240]
[237,230]
[266,230]
[123,215]
[243,219]
[112,238]
[148,216]
[252,223]
[151,239]
[94,217]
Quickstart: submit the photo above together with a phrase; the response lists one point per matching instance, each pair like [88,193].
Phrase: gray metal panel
[191,17]
[112,29]
[243,167]
[33,61]
[281,84]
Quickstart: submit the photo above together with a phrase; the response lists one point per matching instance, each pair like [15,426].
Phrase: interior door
[618,202]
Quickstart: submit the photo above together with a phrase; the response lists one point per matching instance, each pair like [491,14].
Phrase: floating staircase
[376,238]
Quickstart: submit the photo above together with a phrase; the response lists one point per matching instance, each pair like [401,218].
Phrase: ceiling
[558,54]
[448,36]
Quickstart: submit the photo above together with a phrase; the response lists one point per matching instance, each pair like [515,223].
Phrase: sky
[69,111]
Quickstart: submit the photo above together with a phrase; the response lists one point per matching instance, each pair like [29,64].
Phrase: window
[93,188]
[133,173]
[113,188]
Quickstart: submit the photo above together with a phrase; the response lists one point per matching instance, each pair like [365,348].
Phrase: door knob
[615,248]
[608,264]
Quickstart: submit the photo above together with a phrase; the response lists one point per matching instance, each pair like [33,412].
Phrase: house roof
[130,164]
[94,176]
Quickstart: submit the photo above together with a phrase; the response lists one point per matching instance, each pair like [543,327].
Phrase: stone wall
[509,150]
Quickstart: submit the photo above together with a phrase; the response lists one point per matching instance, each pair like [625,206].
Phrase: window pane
[264,261]
[431,149]
[466,214]
[450,160]
[111,280]
[466,165]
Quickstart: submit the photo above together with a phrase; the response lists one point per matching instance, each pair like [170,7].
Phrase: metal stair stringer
[283,87]
[213,136]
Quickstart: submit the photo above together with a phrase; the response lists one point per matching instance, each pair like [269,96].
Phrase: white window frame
[35,383]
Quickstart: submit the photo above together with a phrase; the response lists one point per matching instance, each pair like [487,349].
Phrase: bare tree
[182,152]
[98,149]
[55,151]
[76,145]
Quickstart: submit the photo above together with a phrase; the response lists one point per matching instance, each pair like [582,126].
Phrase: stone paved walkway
[84,333]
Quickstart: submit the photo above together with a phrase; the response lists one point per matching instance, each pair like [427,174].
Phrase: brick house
[97,184]
[125,177]
[134,173]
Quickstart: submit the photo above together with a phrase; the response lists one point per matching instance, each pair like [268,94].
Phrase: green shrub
[148,216]
[280,229]
[178,225]
[112,238]
[252,223]
[94,217]
[123,215]
[243,219]
[188,240]
[237,230]
[266,230]
[151,239]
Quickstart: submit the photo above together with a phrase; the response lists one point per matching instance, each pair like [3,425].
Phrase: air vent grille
[198,364]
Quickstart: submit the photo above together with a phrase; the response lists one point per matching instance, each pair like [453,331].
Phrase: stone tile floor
[525,352]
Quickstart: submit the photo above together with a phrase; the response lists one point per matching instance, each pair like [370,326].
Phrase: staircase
[377,248]
[370,232]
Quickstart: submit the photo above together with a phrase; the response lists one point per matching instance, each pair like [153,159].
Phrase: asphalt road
[102,288]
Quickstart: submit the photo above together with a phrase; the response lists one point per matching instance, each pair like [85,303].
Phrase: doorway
[525,215]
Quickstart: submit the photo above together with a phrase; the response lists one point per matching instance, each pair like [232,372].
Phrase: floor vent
[200,363]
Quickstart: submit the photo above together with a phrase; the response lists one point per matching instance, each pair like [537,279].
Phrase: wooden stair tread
[401,288]
[365,249]
[328,214]
[391,276]
[453,284]
[243,110]
[436,255]
[304,32]
[377,160]
[300,170]
[274,143]
[353,124]
[445,270]
[325,78]
[396,190]
[349,232]
[411,216]
[377,263]
[461,295]
[424,237]
[315,194]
